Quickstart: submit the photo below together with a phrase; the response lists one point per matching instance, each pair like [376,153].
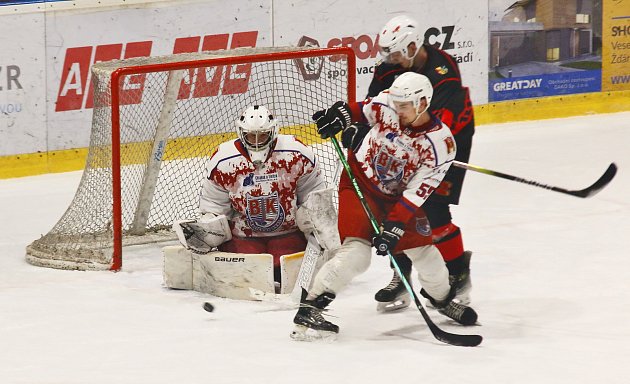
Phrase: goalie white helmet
[257,129]
[396,36]
[411,87]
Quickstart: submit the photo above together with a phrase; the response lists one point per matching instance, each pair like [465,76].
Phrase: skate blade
[302,333]
[401,302]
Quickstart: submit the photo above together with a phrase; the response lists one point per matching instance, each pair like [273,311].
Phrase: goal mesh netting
[153,134]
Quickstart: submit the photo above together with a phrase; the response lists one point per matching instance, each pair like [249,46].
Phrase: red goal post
[156,121]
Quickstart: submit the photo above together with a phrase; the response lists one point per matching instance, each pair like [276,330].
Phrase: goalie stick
[592,190]
[438,333]
[312,254]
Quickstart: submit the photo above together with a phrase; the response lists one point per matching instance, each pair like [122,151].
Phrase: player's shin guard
[461,313]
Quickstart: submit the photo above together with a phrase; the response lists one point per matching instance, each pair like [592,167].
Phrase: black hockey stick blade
[455,339]
[583,193]
[446,337]
[598,185]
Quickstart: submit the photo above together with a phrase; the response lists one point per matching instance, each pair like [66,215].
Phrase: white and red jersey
[402,164]
[260,201]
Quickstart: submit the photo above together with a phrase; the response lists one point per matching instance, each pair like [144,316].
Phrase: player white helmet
[396,36]
[257,129]
[411,87]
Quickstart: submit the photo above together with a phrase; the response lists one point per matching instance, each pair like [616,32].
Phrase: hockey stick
[583,193]
[439,334]
[308,268]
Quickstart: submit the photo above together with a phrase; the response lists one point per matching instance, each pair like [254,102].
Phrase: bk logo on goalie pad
[388,168]
[264,213]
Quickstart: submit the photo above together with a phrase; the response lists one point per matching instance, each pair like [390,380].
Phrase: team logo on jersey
[422,226]
[264,213]
[441,70]
[249,180]
[388,168]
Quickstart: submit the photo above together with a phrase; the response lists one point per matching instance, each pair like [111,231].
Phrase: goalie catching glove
[332,120]
[386,241]
[204,235]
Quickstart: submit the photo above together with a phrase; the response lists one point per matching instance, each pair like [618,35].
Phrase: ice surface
[550,276]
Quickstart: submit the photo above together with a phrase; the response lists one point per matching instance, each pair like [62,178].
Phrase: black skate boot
[310,323]
[394,296]
[459,277]
[461,313]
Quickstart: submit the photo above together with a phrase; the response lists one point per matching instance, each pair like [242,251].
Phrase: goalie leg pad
[290,243]
[231,275]
[178,267]
[290,268]
[225,274]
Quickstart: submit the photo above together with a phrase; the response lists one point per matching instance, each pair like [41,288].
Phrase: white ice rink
[550,275]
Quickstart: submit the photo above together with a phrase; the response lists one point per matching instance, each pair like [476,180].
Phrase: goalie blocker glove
[332,120]
[386,241]
[353,135]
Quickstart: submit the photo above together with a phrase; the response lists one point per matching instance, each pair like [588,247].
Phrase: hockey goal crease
[155,123]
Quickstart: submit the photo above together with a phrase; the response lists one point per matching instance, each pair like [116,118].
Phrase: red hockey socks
[448,239]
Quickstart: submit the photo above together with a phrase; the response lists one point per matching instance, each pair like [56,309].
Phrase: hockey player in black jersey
[400,43]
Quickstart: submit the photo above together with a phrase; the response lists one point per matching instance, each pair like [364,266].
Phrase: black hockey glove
[332,120]
[386,241]
[353,135]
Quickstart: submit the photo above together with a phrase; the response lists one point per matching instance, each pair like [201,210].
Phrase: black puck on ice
[208,307]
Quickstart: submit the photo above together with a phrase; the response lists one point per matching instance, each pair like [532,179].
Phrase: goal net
[157,120]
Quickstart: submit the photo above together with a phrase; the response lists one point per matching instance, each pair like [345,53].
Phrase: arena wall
[49,47]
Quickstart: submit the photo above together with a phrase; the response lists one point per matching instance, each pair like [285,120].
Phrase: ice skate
[394,296]
[461,313]
[310,324]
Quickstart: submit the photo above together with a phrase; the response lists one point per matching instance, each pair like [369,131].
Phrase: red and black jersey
[451,100]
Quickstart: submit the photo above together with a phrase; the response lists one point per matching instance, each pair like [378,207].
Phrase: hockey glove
[332,120]
[386,241]
[353,135]
[195,238]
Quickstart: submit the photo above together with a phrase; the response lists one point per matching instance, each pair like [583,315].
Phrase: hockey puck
[208,307]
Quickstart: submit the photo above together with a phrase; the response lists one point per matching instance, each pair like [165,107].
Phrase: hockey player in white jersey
[256,182]
[399,153]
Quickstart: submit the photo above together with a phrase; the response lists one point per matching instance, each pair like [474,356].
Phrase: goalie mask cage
[156,122]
